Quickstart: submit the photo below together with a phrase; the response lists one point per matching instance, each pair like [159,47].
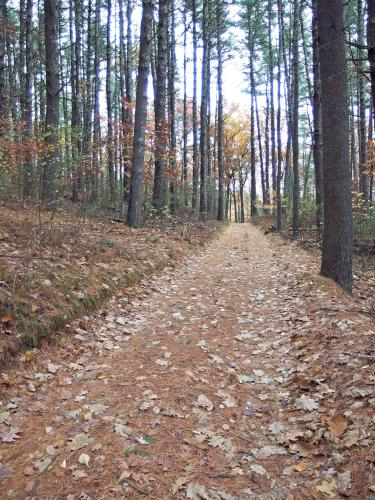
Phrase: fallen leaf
[10,435]
[258,469]
[5,472]
[300,467]
[204,402]
[305,403]
[337,425]
[328,488]
[79,441]
[84,459]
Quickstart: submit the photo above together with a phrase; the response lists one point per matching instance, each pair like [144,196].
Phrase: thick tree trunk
[136,182]
[337,235]
[52,160]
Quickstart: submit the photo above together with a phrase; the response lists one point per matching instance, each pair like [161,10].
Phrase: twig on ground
[10,256]
[134,486]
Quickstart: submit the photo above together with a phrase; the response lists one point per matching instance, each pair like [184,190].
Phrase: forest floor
[240,374]
[56,266]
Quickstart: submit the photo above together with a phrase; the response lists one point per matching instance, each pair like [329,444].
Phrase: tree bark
[136,182]
[28,98]
[295,131]
[160,105]
[203,121]
[52,159]
[337,234]
[194,201]
[317,121]
[220,117]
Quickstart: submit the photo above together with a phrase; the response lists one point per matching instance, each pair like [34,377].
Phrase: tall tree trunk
[295,133]
[136,182]
[185,117]
[110,138]
[371,49]
[172,107]
[28,98]
[96,128]
[260,146]
[253,181]
[128,132]
[160,105]
[278,125]
[272,103]
[220,117]
[337,234]
[194,201]
[51,161]
[204,99]
[362,139]
[317,120]
[267,149]
[3,20]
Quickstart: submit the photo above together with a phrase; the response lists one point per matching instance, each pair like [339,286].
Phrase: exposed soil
[240,375]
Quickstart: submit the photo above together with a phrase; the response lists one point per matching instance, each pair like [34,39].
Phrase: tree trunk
[96,130]
[295,131]
[194,201]
[110,138]
[220,118]
[362,139]
[278,125]
[160,105]
[172,108]
[28,98]
[136,181]
[272,103]
[204,102]
[337,234]
[3,20]
[52,159]
[185,119]
[317,120]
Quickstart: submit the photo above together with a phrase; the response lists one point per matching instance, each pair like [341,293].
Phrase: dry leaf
[337,425]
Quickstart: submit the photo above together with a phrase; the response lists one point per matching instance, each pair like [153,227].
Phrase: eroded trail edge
[237,376]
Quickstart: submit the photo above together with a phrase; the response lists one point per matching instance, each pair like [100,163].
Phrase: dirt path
[233,377]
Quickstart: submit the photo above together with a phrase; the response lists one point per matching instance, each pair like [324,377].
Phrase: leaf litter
[195,405]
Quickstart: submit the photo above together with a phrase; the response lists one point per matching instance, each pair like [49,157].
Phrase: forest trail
[209,383]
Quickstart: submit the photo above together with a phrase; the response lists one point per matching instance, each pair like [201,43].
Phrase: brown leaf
[337,425]
[135,460]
